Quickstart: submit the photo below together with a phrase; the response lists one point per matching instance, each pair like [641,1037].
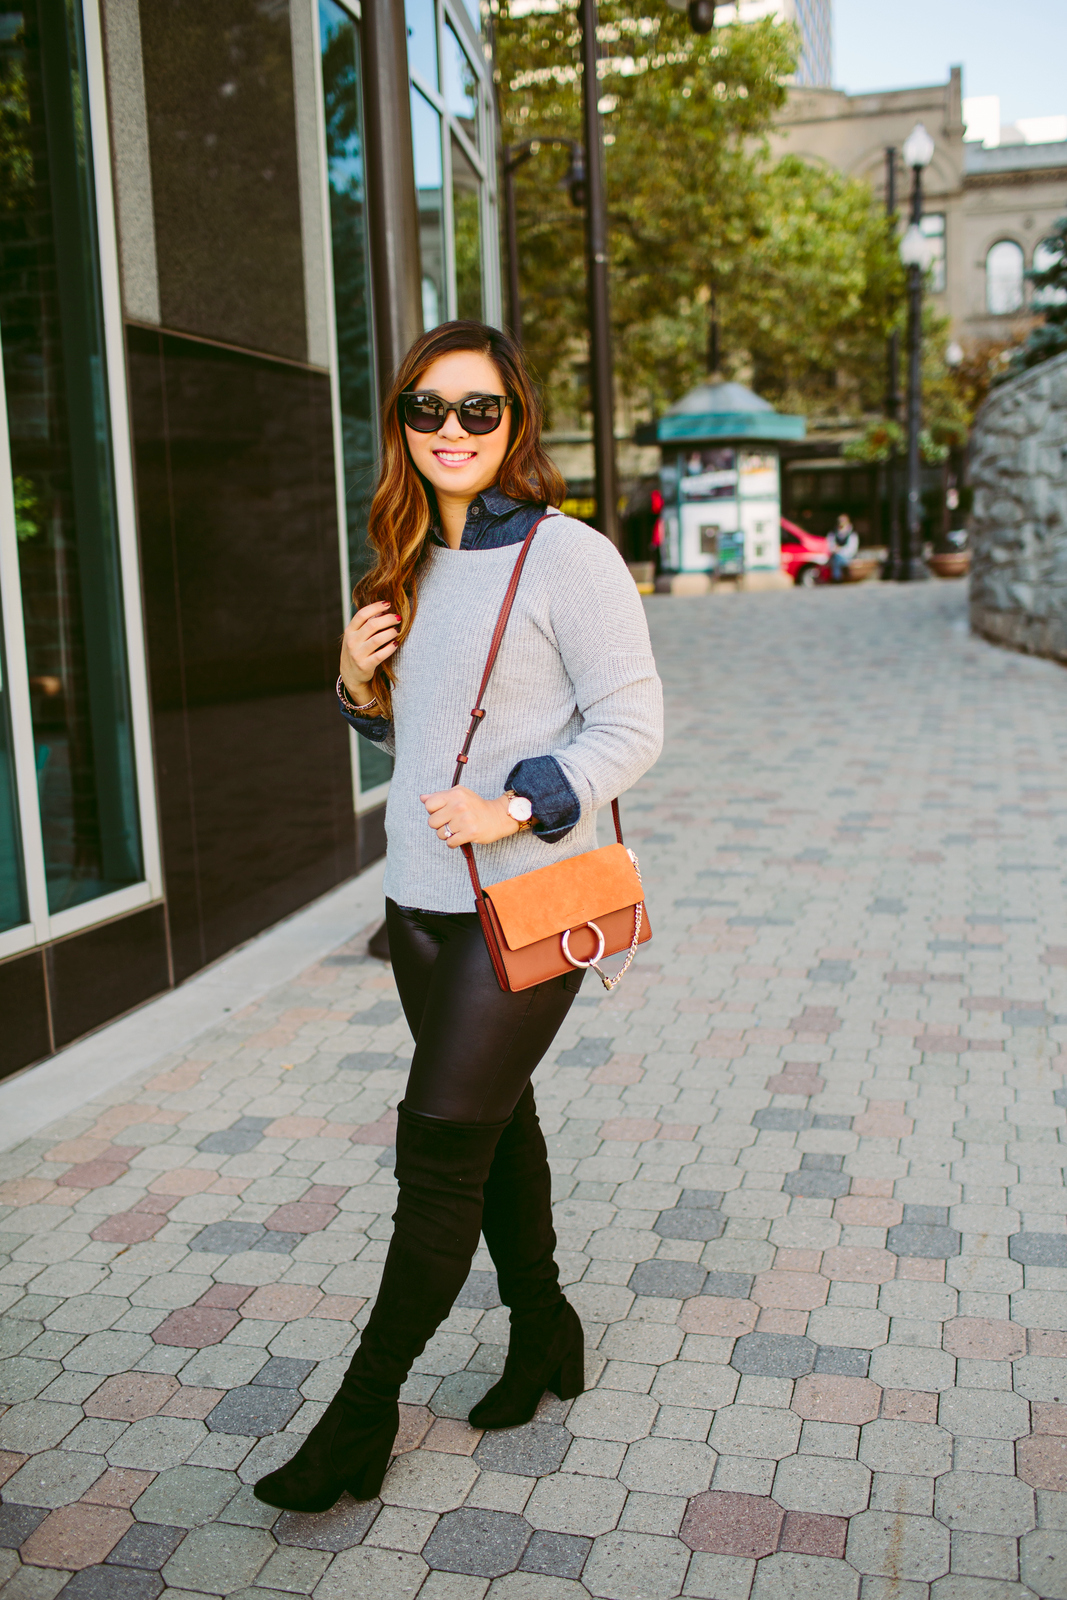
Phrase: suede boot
[441,1168]
[547,1349]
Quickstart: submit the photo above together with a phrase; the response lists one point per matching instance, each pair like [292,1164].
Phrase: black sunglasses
[476,413]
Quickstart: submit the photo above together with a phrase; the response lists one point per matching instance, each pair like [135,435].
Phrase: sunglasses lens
[423,412]
[481,413]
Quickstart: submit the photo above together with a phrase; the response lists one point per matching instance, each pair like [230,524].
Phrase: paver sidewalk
[809,1162]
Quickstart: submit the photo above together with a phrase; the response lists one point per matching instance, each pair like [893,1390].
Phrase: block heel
[547,1351]
[344,1450]
[569,1381]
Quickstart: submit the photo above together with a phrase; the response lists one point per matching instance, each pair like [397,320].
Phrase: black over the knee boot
[547,1347]
[441,1168]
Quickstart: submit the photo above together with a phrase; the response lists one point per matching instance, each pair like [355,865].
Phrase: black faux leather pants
[476,1046]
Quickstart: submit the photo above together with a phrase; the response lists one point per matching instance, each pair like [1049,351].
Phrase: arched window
[1048,254]
[1004,278]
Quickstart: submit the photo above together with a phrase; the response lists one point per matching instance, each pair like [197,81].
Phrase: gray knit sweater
[574,679]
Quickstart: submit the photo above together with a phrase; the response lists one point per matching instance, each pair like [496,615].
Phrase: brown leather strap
[494,645]
[478,714]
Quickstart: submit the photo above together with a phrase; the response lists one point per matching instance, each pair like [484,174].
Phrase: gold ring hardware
[574,959]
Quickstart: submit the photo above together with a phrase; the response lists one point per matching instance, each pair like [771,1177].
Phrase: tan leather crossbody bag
[566,916]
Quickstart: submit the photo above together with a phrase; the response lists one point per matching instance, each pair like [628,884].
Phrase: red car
[803,554]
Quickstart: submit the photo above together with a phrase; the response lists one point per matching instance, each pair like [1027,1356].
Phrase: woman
[573,717]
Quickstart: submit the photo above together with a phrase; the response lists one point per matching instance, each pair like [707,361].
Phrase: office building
[221,223]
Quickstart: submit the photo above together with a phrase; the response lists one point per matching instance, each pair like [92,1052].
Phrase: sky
[1016,51]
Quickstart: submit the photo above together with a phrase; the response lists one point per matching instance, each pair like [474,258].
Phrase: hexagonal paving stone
[227,1238]
[984,1502]
[256,1409]
[113,1583]
[185,1497]
[1039,1249]
[667,1280]
[485,1544]
[690,1222]
[635,1566]
[773,1355]
[556,1555]
[284,1372]
[804,1577]
[1043,1563]
[218,1559]
[338,1529]
[531,1451]
[147,1544]
[919,1239]
[728,1524]
[236,1140]
[887,1544]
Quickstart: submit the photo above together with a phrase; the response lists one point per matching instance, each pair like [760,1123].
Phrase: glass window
[474,11]
[466,225]
[1004,278]
[933,228]
[1048,254]
[429,184]
[351,277]
[461,87]
[421,18]
[51,328]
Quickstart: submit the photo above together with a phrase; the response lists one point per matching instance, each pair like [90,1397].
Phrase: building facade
[221,223]
[988,209]
[987,212]
[814,21]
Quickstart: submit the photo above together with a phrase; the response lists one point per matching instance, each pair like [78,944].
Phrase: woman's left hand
[459,816]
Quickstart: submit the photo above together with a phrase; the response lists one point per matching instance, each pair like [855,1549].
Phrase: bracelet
[342,694]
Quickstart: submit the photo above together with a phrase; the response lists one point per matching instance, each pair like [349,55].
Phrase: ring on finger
[447,831]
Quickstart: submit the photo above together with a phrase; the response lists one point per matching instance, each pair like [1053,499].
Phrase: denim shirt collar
[493,519]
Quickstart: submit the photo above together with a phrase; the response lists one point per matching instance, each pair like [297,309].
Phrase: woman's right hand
[369,638]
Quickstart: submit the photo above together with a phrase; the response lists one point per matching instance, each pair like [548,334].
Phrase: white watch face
[520,808]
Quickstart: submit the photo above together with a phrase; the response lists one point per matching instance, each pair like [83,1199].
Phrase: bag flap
[566,894]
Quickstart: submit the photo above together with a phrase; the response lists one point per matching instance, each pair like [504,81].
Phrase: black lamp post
[891,569]
[915,254]
[601,380]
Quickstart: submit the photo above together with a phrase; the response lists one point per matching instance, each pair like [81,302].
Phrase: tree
[1049,338]
[794,263]
[684,119]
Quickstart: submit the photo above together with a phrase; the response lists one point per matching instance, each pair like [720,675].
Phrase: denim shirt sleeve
[555,805]
[376,729]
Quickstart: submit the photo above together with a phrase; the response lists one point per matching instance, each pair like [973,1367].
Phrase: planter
[863,570]
[950,564]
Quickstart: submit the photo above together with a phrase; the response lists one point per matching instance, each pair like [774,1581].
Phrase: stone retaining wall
[1019,526]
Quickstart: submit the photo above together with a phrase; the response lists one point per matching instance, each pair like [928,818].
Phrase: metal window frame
[42,926]
[363,799]
[446,13]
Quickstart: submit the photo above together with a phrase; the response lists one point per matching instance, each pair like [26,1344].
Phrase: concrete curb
[42,1094]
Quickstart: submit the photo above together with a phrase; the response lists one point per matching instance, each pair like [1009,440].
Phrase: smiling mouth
[454,458]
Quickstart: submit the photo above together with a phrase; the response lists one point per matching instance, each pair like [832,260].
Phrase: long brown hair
[400,513]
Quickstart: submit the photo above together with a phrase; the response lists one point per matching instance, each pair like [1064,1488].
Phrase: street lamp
[915,254]
[891,570]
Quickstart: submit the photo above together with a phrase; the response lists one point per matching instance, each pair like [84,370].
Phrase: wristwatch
[519,809]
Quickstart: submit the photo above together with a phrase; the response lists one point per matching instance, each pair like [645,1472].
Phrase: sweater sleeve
[602,634]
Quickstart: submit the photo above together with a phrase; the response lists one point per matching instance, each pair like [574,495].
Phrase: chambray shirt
[494,520]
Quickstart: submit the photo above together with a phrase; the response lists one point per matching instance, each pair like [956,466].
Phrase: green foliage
[796,259]
[684,119]
[880,441]
[28,516]
[1049,338]
[814,296]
